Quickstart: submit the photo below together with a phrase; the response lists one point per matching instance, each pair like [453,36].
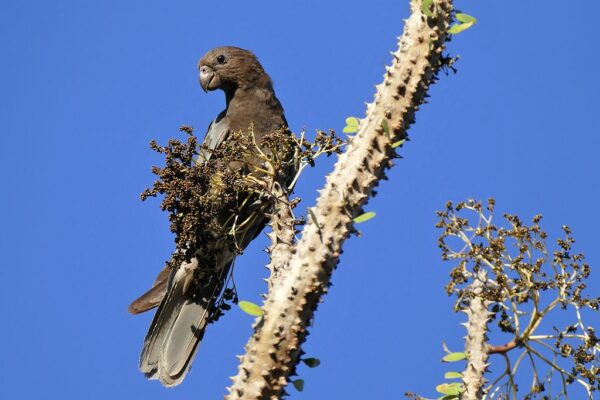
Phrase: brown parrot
[185,303]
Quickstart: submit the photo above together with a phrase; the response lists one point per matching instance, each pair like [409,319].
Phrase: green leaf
[314,218]
[426,7]
[385,127]
[452,375]
[458,28]
[452,357]
[450,389]
[398,143]
[250,308]
[298,384]
[364,217]
[351,125]
[312,362]
[449,397]
[466,18]
[352,121]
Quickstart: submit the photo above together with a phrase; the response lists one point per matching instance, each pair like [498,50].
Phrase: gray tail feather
[178,325]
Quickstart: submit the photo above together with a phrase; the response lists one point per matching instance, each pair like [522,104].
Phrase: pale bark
[273,351]
[283,234]
[476,347]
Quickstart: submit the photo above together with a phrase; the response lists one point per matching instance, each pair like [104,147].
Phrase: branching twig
[508,270]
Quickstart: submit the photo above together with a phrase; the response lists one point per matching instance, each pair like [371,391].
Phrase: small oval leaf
[466,18]
[426,7]
[452,375]
[312,362]
[398,143]
[352,121]
[351,125]
[450,389]
[454,29]
[250,308]
[298,384]
[385,127]
[452,357]
[364,217]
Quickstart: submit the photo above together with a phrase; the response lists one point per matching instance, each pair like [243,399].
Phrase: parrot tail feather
[179,323]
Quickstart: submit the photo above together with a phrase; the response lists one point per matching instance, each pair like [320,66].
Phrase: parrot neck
[257,106]
[255,98]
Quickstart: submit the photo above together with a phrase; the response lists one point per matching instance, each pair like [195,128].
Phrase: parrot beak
[206,76]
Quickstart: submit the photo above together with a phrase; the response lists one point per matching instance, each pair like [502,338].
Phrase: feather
[178,325]
[152,297]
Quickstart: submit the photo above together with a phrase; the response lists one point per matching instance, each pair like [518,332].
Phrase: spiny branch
[273,351]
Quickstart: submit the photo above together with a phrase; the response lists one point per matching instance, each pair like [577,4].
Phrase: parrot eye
[221,59]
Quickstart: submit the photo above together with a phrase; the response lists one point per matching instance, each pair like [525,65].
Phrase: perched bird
[185,302]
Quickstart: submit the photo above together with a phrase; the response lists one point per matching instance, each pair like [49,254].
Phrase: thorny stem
[475,343]
[283,224]
[273,351]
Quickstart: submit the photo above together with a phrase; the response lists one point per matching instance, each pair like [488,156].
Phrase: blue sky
[86,85]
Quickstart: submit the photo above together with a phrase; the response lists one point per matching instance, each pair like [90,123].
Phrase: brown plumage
[184,301]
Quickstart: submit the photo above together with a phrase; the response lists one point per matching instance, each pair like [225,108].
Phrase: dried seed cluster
[223,203]
[525,281]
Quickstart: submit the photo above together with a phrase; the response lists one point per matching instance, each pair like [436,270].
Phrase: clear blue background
[85,85]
